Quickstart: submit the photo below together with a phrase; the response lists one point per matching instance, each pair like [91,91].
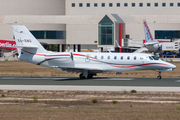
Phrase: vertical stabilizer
[25,40]
[147,33]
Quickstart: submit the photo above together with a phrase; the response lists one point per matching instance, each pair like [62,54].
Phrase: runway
[95,84]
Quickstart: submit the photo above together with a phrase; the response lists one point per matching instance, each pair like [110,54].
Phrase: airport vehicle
[86,63]
[151,44]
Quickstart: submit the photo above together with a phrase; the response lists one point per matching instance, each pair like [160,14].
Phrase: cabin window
[134,57]
[95,57]
[115,57]
[121,57]
[102,57]
[108,57]
[128,57]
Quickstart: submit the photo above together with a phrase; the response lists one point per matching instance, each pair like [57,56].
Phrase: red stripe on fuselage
[140,65]
[125,66]
[80,55]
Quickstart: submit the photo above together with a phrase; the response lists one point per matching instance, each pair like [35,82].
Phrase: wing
[150,43]
[79,69]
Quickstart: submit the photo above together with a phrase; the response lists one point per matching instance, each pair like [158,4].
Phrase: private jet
[88,64]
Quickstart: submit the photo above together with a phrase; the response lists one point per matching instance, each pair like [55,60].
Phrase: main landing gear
[159,76]
[83,77]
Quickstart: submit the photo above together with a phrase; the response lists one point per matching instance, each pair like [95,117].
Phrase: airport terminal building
[75,25]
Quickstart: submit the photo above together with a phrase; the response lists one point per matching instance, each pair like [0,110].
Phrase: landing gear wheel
[159,77]
[90,76]
[81,76]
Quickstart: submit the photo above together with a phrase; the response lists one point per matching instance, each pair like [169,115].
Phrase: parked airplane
[151,44]
[86,63]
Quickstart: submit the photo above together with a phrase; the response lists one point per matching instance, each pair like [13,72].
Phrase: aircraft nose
[172,66]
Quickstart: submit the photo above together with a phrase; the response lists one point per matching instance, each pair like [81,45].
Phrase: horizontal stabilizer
[24,46]
[29,46]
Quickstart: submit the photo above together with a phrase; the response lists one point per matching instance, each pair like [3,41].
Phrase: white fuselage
[96,61]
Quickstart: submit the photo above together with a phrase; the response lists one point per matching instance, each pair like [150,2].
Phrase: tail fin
[25,40]
[147,33]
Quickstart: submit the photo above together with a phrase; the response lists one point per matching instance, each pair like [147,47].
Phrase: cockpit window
[155,58]
[150,58]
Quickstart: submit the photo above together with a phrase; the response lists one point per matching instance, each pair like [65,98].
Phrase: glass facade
[167,34]
[53,47]
[106,31]
[49,34]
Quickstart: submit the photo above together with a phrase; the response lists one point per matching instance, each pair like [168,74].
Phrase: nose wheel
[159,76]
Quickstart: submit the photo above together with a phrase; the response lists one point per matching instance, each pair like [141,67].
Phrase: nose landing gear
[159,76]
